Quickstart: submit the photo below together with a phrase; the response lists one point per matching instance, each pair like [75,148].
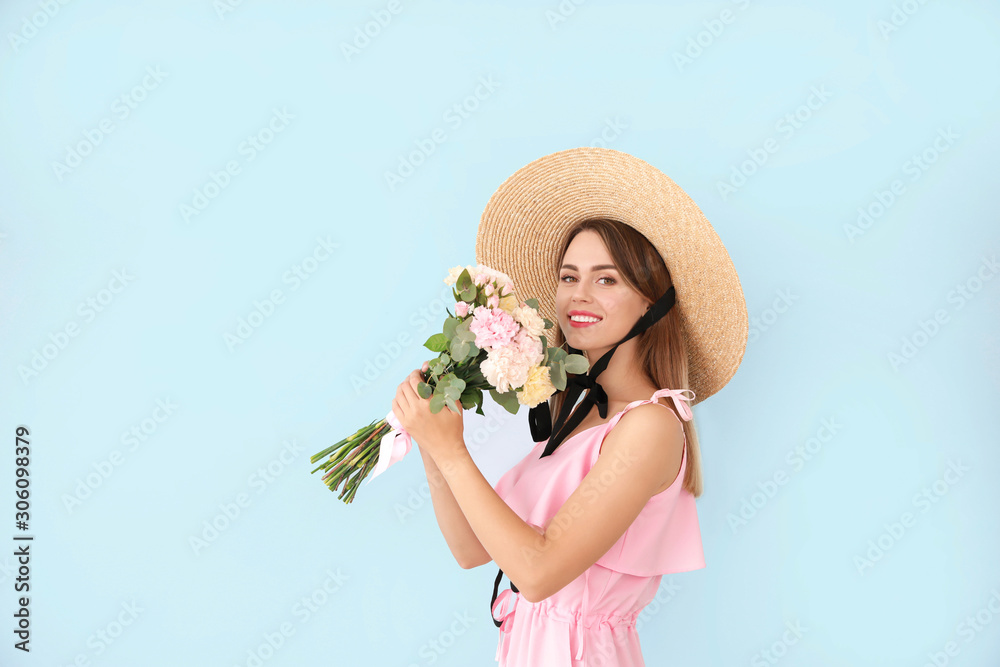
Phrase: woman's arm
[464,544]
[637,457]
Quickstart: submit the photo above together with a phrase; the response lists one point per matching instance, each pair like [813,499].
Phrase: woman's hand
[441,434]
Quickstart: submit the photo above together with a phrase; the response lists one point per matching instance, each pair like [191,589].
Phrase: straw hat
[526,218]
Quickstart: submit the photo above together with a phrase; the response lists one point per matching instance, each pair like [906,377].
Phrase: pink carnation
[529,347]
[505,368]
[493,327]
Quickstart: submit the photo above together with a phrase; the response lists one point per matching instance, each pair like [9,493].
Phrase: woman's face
[590,284]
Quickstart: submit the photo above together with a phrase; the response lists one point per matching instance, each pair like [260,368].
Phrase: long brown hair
[660,350]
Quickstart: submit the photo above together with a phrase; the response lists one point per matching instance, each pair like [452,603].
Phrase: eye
[613,281]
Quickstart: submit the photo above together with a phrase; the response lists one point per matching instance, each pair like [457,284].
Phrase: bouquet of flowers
[493,342]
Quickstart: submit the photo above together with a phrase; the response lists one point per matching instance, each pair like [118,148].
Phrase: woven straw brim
[526,218]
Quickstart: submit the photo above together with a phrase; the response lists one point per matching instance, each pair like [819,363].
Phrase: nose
[580,292]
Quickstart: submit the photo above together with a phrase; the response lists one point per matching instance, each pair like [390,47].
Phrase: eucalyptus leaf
[460,350]
[507,400]
[469,293]
[463,281]
[557,375]
[577,364]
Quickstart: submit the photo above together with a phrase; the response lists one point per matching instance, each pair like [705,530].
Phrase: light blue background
[827,310]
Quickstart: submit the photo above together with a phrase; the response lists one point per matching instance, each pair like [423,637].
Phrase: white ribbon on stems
[394,446]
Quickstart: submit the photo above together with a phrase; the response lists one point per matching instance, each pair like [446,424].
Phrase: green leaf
[463,332]
[577,364]
[437,402]
[463,281]
[449,327]
[533,302]
[558,354]
[459,350]
[452,387]
[557,375]
[507,400]
[469,398]
[437,343]
[438,365]
[424,390]
[476,377]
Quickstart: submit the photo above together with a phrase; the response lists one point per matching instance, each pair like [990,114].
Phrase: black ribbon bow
[540,417]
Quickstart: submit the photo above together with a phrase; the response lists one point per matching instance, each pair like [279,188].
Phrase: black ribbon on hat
[540,417]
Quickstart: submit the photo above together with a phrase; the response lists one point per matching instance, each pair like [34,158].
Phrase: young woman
[587,523]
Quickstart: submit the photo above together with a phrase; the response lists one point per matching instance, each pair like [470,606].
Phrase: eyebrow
[596,267]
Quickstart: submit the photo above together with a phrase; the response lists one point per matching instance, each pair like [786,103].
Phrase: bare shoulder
[652,434]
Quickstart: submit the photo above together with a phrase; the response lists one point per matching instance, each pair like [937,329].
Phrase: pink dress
[593,617]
